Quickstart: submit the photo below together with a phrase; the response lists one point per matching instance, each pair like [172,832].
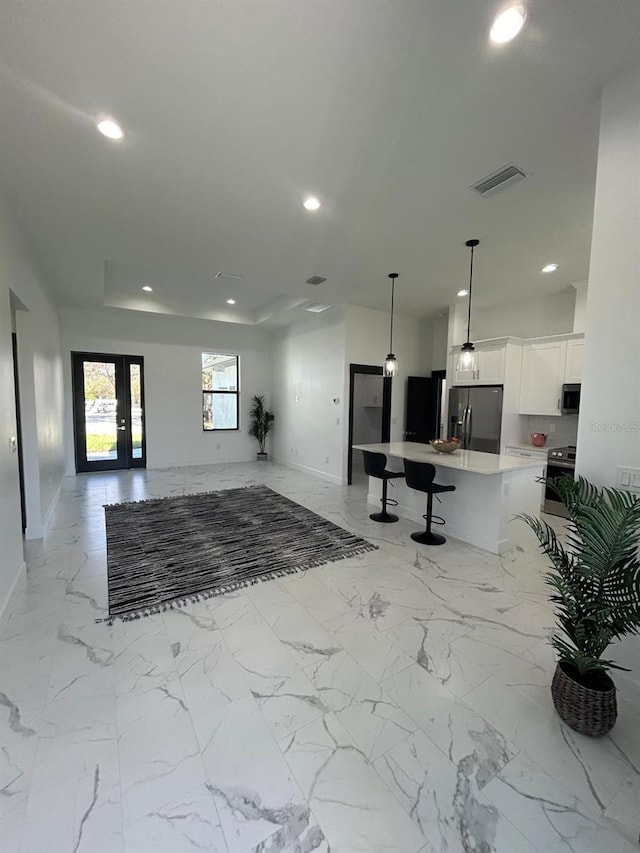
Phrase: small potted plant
[260,425]
[595,578]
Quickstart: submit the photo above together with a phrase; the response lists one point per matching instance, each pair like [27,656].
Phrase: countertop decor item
[595,579]
[260,425]
[538,439]
[467,356]
[445,445]
[391,362]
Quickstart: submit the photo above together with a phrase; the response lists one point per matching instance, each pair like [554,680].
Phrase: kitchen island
[490,489]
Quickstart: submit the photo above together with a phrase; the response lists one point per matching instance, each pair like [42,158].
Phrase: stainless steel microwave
[570,399]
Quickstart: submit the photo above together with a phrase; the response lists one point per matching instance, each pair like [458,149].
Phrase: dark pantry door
[108,411]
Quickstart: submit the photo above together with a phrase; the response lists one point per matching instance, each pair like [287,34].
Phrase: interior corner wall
[19,274]
[172,349]
[439,347]
[609,424]
[308,365]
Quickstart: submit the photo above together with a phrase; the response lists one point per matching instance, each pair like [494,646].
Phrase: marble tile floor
[396,702]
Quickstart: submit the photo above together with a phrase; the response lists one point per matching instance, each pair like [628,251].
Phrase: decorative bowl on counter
[445,445]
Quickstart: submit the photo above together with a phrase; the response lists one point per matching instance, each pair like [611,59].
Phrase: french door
[108,411]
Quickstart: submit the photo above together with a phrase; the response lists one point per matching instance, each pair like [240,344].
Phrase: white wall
[308,365]
[609,428]
[41,357]
[531,318]
[172,348]
[580,313]
[367,342]
[439,348]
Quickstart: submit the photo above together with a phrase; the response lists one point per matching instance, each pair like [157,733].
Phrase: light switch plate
[628,479]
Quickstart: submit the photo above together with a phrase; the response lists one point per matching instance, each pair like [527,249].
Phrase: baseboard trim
[19,580]
[322,475]
[46,521]
[198,463]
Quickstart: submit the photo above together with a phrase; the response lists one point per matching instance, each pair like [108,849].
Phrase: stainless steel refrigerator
[475,417]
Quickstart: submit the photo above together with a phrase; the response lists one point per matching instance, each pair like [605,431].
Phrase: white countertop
[462,460]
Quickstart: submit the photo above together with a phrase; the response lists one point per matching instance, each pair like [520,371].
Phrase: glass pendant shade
[466,359]
[390,366]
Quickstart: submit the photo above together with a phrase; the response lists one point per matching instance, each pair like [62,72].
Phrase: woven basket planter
[590,712]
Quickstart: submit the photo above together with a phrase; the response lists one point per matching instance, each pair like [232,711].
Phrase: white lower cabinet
[533,453]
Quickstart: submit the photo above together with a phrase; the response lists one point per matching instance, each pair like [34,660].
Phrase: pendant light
[391,362]
[467,356]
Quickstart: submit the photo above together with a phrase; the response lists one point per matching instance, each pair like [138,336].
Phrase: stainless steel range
[561,462]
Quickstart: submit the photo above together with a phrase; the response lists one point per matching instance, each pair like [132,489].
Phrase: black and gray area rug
[172,551]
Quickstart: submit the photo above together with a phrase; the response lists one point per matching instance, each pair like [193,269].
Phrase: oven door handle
[566,466]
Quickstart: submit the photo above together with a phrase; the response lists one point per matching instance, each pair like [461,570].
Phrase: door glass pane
[136,410]
[100,410]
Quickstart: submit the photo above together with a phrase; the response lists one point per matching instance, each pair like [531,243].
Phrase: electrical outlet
[628,479]
[326,460]
[551,428]
[337,421]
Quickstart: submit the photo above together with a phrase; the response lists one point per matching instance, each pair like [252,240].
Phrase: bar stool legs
[385,517]
[428,537]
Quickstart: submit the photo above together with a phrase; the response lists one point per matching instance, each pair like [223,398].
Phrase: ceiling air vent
[228,275]
[316,307]
[499,181]
[316,279]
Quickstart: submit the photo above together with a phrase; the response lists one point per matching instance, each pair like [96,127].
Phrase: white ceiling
[386,109]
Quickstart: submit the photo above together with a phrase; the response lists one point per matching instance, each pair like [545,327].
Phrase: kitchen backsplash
[566,429]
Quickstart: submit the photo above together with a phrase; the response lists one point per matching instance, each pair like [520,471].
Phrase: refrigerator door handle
[469,428]
[465,423]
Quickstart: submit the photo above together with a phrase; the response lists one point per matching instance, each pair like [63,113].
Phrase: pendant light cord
[470,288]
[393,287]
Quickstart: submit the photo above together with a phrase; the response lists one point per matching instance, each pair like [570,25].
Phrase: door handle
[122,428]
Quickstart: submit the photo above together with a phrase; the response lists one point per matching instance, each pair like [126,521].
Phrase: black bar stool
[375,465]
[419,476]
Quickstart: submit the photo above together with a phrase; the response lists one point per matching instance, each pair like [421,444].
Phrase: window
[220,392]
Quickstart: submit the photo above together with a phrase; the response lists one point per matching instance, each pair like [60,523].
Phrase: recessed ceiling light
[507,24]
[231,301]
[311,203]
[463,293]
[109,127]
[550,268]
[147,289]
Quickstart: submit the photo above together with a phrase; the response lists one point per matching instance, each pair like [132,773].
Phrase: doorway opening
[369,415]
[108,411]
[16,385]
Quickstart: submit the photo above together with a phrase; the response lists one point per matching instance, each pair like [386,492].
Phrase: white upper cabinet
[489,367]
[573,363]
[543,374]
[371,392]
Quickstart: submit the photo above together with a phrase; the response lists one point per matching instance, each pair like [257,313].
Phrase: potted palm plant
[595,578]
[260,425]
